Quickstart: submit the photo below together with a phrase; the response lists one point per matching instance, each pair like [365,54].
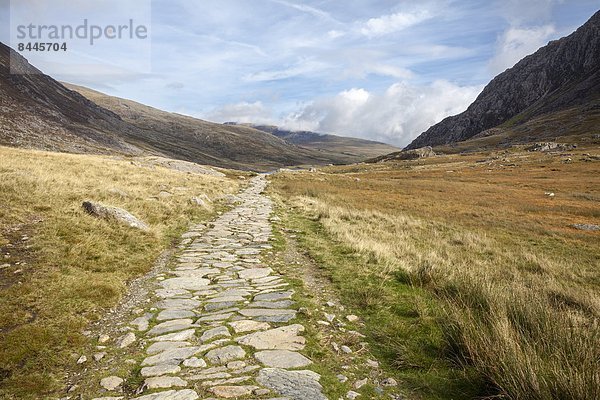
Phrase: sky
[374,69]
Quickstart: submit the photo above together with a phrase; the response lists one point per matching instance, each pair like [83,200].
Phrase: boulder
[550,146]
[113,213]
[423,152]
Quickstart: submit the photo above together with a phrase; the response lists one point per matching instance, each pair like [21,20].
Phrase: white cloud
[305,9]
[307,67]
[362,70]
[517,43]
[334,34]
[519,12]
[391,23]
[243,112]
[396,116]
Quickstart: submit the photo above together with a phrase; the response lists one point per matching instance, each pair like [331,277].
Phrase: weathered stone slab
[158,370]
[272,304]
[174,356]
[164,382]
[174,314]
[269,315]
[185,394]
[274,296]
[170,326]
[232,392]
[282,359]
[185,283]
[210,334]
[296,385]
[225,354]
[157,347]
[178,304]
[255,273]
[176,337]
[283,338]
[248,325]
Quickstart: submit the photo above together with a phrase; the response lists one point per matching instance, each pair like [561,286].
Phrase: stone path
[223,326]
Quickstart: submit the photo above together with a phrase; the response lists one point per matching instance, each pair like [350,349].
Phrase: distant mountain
[192,139]
[354,149]
[38,112]
[564,75]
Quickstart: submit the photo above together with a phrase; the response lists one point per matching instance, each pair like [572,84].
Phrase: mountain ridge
[38,112]
[562,74]
[352,147]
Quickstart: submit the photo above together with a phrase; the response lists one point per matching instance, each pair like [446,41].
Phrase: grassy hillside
[192,139]
[470,276]
[61,268]
[579,124]
[353,149]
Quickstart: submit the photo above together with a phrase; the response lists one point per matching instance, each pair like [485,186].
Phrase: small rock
[329,317]
[330,304]
[81,360]
[142,322]
[352,395]
[99,356]
[220,331]
[360,383]
[389,382]
[372,364]
[103,338]
[352,318]
[126,340]
[111,383]
[586,227]
[342,378]
[261,392]
[346,349]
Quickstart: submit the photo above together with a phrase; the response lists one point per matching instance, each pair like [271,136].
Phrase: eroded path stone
[223,324]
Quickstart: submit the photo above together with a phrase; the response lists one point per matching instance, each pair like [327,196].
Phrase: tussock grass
[73,266]
[518,290]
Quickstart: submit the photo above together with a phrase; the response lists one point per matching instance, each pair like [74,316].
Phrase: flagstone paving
[223,326]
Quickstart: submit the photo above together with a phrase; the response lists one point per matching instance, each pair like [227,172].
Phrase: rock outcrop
[423,152]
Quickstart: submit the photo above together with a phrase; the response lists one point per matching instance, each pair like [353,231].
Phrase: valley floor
[230,320]
[477,275]
[456,277]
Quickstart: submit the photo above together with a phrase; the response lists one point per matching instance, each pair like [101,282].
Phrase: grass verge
[61,268]
[516,288]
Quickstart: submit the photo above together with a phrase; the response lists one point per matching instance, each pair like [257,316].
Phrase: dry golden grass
[71,267]
[519,286]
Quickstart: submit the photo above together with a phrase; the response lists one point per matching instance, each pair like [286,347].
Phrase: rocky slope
[38,112]
[564,74]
